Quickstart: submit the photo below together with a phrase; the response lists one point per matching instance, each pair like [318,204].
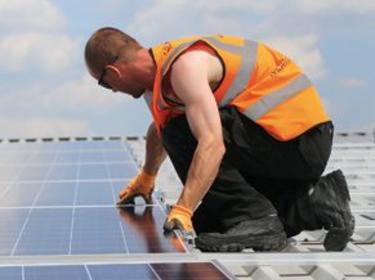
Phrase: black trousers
[258,176]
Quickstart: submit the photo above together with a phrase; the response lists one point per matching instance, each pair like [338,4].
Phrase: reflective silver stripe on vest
[221,45]
[275,98]
[173,55]
[248,59]
[247,52]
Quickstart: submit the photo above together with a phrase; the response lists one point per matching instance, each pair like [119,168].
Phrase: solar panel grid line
[15,178]
[23,272]
[31,209]
[74,202]
[126,247]
[153,271]
[88,272]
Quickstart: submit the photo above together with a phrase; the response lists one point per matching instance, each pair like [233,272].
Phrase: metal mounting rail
[362,258]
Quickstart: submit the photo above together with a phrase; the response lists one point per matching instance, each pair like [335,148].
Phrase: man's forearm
[202,172]
[155,153]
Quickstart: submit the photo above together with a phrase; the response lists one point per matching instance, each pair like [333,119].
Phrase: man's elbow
[220,148]
[214,146]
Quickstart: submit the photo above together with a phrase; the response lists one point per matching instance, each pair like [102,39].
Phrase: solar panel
[59,199]
[13,273]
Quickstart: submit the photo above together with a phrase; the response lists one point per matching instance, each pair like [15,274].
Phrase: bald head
[105,45]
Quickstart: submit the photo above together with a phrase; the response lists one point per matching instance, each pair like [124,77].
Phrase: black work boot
[264,234]
[330,200]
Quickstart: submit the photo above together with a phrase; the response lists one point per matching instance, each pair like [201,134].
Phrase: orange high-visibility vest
[263,84]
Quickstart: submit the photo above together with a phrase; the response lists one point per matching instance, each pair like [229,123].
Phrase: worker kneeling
[245,130]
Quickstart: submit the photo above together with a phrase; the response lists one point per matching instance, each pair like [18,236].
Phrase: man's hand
[142,185]
[179,218]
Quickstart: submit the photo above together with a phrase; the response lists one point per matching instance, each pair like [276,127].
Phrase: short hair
[105,45]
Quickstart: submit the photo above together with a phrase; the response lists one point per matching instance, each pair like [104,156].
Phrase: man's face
[121,78]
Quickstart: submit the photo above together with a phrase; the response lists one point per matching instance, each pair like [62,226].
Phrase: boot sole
[275,242]
[337,238]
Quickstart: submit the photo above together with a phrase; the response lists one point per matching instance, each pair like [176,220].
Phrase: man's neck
[148,67]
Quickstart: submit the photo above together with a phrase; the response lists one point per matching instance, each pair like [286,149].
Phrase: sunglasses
[101,82]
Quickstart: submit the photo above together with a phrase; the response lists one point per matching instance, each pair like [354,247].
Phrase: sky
[45,90]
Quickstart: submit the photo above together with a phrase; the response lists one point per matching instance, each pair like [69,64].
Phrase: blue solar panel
[34,173]
[92,157]
[94,193]
[57,194]
[11,222]
[97,231]
[63,172]
[20,194]
[56,273]
[93,171]
[11,273]
[122,170]
[93,230]
[67,157]
[7,173]
[144,232]
[47,232]
[115,272]
[117,156]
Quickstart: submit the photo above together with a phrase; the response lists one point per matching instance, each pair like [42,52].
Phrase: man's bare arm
[190,81]
[155,153]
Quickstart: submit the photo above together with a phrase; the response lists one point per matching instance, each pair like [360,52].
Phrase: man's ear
[115,69]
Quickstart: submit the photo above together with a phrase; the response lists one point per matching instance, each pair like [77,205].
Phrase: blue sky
[45,90]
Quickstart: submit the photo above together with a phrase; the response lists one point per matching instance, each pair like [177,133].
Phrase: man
[245,130]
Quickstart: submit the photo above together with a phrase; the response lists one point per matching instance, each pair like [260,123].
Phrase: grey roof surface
[305,258]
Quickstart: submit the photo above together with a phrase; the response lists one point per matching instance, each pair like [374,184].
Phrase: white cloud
[35,15]
[334,6]
[303,50]
[82,97]
[84,94]
[265,6]
[32,37]
[37,127]
[164,19]
[37,51]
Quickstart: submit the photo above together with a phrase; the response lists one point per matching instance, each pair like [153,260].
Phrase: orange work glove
[142,185]
[179,218]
